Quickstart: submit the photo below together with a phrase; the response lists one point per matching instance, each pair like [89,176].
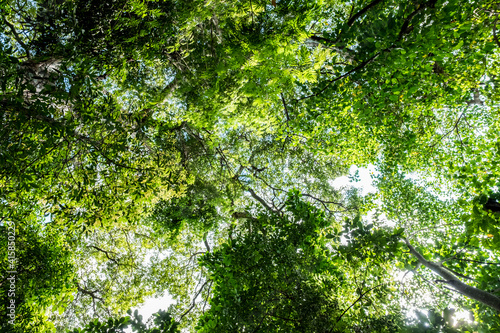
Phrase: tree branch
[359,298]
[16,36]
[404,28]
[362,11]
[88,292]
[329,82]
[477,261]
[205,241]
[451,279]
[286,109]
[194,301]
[259,199]
[324,202]
[106,253]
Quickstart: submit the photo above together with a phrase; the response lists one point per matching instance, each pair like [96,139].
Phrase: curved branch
[362,11]
[16,36]
[323,202]
[359,298]
[205,241]
[194,301]
[89,293]
[106,253]
[405,27]
[329,82]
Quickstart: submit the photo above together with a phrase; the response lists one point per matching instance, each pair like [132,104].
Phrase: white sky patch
[364,182]
[153,305]
[462,315]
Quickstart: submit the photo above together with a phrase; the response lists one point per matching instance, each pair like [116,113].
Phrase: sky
[365,181]
[153,305]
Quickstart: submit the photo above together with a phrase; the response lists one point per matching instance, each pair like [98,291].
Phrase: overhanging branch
[452,280]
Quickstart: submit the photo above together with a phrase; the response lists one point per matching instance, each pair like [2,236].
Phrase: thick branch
[452,280]
[205,241]
[405,27]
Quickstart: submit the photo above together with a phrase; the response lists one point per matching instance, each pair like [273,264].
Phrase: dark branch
[405,27]
[362,11]
[87,292]
[16,36]
[194,301]
[106,253]
[286,109]
[205,241]
[359,298]
[360,66]
[323,201]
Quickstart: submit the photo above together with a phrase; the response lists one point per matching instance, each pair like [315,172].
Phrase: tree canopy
[191,148]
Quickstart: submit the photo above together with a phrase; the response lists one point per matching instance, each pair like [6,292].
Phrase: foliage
[283,277]
[168,141]
[162,322]
[436,225]
[38,274]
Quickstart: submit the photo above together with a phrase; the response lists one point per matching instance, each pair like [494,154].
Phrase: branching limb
[90,293]
[286,109]
[329,82]
[405,27]
[106,253]
[259,199]
[323,202]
